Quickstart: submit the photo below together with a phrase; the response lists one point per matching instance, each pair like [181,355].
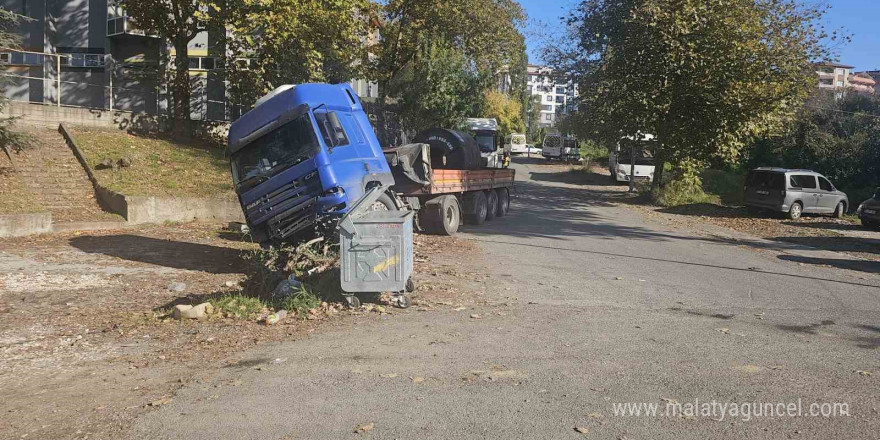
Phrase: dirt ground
[817,231]
[85,342]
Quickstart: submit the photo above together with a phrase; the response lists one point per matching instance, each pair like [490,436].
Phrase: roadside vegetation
[158,166]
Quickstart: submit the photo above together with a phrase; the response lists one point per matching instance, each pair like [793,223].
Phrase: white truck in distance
[552,146]
[517,143]
[620,161]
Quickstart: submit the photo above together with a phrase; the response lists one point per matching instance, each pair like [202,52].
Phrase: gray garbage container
[377,255]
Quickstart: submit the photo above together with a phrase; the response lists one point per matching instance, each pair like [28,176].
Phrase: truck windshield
[486,142]
[643,156]
[274,152]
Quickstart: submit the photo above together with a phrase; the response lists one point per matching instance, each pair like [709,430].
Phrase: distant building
[840,78]
[875,75]
[862,82]
[558,95]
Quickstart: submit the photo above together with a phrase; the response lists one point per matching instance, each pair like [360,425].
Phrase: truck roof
[290,100]
[487,124]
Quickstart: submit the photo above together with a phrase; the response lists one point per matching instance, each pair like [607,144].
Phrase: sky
[860,18]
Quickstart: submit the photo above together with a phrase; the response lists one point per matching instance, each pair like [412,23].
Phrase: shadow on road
[167,253]
[851,264]
[687,263]
[838,244]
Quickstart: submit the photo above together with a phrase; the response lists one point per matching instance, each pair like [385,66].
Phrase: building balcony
[121,26]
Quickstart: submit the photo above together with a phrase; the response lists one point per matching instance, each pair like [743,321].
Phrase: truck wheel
[475,207]
[442,216]
[383,203]
[491,204]
[503,202]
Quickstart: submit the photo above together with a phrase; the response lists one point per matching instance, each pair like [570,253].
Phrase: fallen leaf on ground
[863,373]
[389,375]
[726,331]
[163,401]
[458,309]
[366,427]
[664,399]
[582,429]
[475,316]
[418,379]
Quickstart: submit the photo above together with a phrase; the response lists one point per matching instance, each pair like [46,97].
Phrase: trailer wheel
[503,202]
[442,215]
[491,204]
[475,207]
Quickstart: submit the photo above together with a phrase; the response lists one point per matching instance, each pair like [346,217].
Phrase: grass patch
[159,167]
[238,305]
[15,199]
[300,302]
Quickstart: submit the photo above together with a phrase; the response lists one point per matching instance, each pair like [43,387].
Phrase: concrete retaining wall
[19,225]
[51,116]
[139,209]
[162,209]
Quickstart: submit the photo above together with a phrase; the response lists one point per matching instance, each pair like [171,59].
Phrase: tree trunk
[381,122]
[181,88]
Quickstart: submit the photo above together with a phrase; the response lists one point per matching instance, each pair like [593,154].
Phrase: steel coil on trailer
[451,149]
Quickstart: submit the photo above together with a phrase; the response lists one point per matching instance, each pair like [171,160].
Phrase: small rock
[176,286]
[125,162]
[863,373]
[184,311]
[104,164]
[231,283]
[476,316]
[582,429]
[418,379]
[618,278]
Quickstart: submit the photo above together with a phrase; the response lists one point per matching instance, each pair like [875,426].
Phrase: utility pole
[58,79]
[632,166]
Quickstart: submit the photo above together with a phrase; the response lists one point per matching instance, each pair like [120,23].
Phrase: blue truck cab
[303,155]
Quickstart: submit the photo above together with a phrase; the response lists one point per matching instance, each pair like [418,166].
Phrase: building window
[547,108]
[548,117]
[549,98]
[839,83]
[560,99]
[560,90]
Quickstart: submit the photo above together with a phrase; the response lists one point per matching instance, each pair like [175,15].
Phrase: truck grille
[288,209]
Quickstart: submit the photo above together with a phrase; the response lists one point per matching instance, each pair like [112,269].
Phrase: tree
[439,88]
[178,22]
[291,42]
[484,32]
[9,140]
[533,115]
[507,110]
[703,76]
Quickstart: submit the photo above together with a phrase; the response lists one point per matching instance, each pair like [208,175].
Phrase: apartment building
[103,60]
[841,78]
[558,95]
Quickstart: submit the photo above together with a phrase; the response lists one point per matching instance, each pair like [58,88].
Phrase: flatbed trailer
[442,198]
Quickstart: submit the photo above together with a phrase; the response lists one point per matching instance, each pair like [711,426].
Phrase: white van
[620,161]
[516,142]
[552,146]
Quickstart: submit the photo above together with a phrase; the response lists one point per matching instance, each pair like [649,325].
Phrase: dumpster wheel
[353,301]
[403,301]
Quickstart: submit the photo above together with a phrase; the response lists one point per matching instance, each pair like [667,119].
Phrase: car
[869,211]
[793,192]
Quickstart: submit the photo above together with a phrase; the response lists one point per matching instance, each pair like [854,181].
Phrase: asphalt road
[587,305]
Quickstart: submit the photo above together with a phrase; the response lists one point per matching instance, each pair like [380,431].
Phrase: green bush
[593,150]
[300,302]
[238,305]
[677,193]
[727,185]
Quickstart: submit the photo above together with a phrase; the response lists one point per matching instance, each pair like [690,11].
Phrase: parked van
[793,192]
[620,162]
[516,143]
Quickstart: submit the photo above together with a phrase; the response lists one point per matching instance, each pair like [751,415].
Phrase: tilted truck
[305,154]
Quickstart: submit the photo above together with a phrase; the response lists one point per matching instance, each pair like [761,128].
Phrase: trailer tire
[503,202]
[475,207]
[491,204]
[441,216]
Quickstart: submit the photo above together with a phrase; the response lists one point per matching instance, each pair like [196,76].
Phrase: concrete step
[88,226]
